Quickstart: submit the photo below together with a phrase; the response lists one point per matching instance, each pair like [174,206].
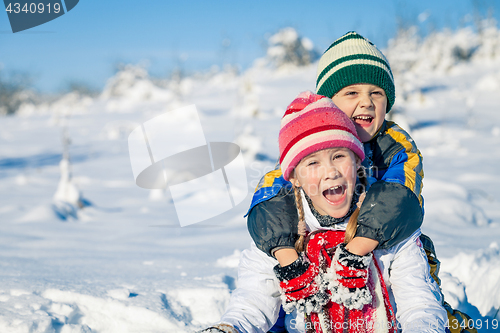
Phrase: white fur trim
[310,304]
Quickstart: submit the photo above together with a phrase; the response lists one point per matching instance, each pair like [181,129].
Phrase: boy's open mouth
[363,120]
[335,194]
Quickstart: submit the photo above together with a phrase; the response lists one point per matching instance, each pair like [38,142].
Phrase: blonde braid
[352,225]
[301,226]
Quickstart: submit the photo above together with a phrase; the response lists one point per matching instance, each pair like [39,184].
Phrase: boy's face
[366,105]
[328,177]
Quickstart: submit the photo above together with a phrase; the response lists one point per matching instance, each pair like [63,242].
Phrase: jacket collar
[381,130]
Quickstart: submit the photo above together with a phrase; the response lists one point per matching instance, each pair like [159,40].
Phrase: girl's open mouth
[363,120]
[335,194]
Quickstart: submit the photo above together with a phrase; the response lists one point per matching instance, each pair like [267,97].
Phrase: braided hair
[301,227]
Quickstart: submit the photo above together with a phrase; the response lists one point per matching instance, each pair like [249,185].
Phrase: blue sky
[86,44]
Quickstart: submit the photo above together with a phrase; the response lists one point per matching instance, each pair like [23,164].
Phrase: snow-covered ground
[122,263]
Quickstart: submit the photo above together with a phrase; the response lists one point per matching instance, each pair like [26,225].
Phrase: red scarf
[335,318]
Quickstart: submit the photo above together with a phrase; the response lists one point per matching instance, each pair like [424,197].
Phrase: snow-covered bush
[442,50]
[287,48]
[437,52]
[133,83]
[413,57]
[489,40]
[67,199]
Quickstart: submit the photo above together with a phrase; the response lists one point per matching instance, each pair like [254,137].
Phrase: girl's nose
[332,172]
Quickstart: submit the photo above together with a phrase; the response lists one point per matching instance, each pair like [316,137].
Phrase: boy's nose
[366,101]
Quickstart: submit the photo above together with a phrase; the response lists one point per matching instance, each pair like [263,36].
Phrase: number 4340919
[33,8]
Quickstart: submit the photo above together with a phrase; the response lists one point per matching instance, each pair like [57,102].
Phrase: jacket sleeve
[273,223]
[254,305]
[417,295]
[389,214]
[404,160]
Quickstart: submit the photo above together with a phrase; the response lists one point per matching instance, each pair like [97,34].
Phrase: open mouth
[335,194]
[363,120]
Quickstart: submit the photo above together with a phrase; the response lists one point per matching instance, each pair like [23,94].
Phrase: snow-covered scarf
[377,316]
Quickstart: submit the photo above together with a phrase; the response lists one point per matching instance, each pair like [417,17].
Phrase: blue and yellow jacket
[392,209]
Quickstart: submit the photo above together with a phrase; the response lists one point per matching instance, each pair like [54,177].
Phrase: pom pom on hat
[312,123]
[353,59]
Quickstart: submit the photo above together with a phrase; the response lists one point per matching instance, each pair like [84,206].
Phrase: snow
[122,263]
[483,266]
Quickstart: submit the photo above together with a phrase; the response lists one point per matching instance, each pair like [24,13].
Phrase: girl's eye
[338,156]
[311,163]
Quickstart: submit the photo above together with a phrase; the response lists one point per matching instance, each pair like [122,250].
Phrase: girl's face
[366,105]
[328,177]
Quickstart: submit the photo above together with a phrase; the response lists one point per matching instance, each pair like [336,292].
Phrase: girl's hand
[301,286]
[348,278]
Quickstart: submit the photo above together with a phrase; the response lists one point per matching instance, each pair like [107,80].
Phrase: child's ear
[295,182]
[358,162]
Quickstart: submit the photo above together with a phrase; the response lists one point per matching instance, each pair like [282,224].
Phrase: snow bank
[478,273]
[198,306]
[106,315]
[450,204]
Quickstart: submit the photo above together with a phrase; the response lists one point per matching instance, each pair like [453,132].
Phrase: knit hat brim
[353,59]
[356,74]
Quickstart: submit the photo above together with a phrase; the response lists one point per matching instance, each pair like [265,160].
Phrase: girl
[337,291]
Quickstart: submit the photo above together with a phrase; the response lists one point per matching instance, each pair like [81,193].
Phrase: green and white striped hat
[353,59]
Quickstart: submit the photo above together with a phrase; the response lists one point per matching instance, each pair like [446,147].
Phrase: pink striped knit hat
[311,123]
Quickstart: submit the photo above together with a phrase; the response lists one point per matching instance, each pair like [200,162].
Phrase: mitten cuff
[351,260]
[292,271]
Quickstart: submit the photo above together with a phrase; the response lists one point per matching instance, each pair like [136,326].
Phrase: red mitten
[347,278]
[301,286]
